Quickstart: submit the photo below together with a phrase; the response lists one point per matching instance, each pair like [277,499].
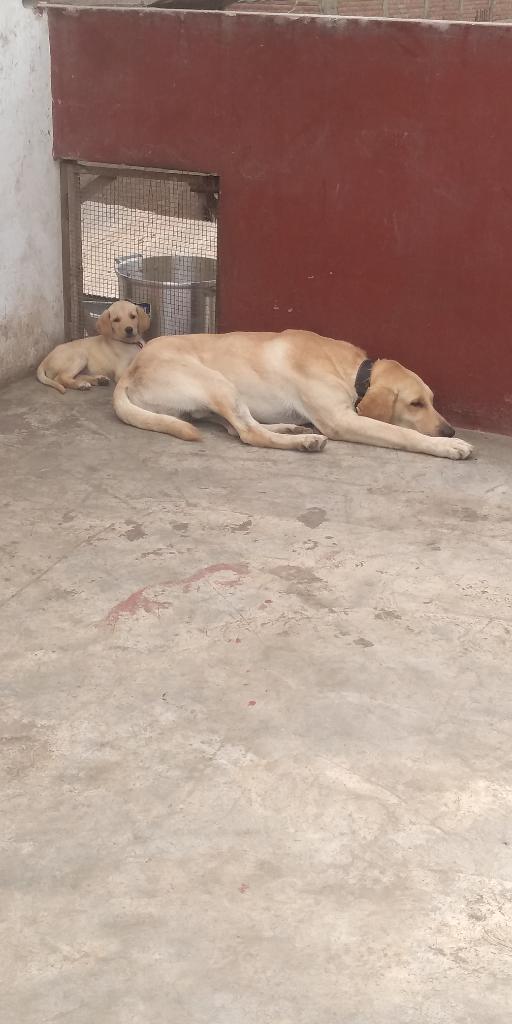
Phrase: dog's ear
[144,320]
[103,324]
[378,404]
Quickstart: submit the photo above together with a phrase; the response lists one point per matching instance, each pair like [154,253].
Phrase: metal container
[180,290]
[91,311]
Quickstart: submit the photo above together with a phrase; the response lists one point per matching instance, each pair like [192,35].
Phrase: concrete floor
[256,728]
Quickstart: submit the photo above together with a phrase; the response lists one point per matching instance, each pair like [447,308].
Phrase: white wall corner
[31,313]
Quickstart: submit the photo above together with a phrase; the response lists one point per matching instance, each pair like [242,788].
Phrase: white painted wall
[31,315]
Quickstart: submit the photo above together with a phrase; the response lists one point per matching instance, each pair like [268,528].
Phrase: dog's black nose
[129,330]
[446,431]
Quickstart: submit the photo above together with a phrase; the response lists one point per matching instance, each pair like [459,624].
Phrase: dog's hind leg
[186,388]
[219,422]
[73,383]
[94,381]
[223,399]
[289,428]
[275,428]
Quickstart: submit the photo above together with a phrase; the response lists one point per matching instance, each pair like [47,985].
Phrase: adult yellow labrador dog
[84,363]
[267,387]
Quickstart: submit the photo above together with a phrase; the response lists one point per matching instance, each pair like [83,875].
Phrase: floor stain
[180,527]
[313,517]
[135,532]
[237,570]
[136,602]
[469,515]
[139,601]
[242,527]
[295,574]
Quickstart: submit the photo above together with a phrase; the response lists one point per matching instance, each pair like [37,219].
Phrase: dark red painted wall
[366,172]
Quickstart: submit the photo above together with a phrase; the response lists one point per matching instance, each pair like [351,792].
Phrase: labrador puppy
[82,364]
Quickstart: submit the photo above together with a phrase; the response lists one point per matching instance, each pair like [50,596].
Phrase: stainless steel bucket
[181,291]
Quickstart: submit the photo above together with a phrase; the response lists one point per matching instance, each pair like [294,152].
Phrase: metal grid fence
[146,236]
[444,10]
[430,10]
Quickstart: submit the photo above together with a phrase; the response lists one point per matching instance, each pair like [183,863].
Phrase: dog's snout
[129,331]
[446,430]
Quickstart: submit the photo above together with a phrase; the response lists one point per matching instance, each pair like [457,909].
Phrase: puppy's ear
[144,320]
[103,324]
[378,404]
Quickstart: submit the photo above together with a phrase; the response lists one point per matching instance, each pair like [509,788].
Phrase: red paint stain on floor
[243,887]
[136,602]
[237,569]
[139,601]
[251,703]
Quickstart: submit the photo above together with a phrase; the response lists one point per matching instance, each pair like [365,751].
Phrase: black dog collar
[363,378]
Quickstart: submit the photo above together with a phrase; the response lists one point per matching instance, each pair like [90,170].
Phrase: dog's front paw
[83,386]
[103,381]
[453,448]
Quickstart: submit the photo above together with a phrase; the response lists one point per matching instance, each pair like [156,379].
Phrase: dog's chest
[112,359]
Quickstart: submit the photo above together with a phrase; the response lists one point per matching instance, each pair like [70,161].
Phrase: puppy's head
[399,396]
[124,321]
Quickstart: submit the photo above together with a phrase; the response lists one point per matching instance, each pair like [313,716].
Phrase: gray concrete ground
[256,728]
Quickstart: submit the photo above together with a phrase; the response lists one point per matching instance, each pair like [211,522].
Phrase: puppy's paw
[83,386]
[103,381]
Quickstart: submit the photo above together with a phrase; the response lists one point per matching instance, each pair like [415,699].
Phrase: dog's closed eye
[418,404]
[133,316]
[117,319]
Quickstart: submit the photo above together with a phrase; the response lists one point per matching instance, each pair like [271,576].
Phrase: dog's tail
[138,417]
[43,379]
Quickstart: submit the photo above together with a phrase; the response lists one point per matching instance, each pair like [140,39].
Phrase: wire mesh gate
[145,235]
